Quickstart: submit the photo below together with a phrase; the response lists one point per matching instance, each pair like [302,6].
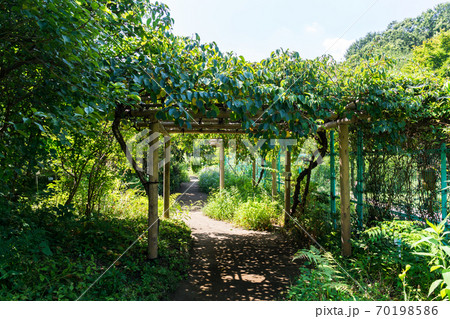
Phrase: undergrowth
[395,260]
[53,253]
[257,212]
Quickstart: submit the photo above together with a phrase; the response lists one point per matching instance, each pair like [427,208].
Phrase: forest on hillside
[401,37]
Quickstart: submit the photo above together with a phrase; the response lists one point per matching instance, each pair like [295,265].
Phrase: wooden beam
[166,183]
[227,126]
[221,115]
[205,131]
[222,164]
[287,187]
[345,190]
[344,121]
[274,177]
[153,196]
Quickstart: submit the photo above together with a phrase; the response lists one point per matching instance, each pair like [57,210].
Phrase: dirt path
[230,263]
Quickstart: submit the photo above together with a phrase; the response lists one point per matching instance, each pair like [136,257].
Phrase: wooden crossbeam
[171,126]
[206,131]
[150,113]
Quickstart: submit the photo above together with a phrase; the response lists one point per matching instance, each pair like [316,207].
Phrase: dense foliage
[400,38]
[434,54]
[53,253]
[66,66]
[396,260]
[69,204]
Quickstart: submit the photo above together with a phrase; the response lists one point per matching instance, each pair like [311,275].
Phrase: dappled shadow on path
[231,263]
[239,267]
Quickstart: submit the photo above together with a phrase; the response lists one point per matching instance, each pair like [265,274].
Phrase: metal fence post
[332,180]
[444,180]
[278,171]
[359,179]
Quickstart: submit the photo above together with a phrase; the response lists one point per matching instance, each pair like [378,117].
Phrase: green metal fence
[409,185]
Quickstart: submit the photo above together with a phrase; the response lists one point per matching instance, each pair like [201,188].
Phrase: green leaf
[88,110]
[435,267]
[446,276]
[40,126]
[446,249]
[45,248]
[433,227]
[445,292]
[425,239]
[66,39]
[433,286]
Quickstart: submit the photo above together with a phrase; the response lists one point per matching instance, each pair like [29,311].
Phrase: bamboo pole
[222,164]
[287,187]
[345,190]
[274,177]
[166,189]
[253,172]
[153,196]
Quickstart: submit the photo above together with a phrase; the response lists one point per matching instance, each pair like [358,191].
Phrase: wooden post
[333,181]
[287,187]
[444,190]
[254,172]
[222,164]
[345,190]
[274,177]
[166,184]
[153,161]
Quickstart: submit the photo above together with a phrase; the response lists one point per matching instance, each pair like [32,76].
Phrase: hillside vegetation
[400,38]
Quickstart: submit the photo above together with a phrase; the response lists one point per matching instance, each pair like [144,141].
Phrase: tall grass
[251,211]
[257,214]
[209,181]
[222,205]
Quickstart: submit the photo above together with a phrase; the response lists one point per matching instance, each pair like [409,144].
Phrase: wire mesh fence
[402,184]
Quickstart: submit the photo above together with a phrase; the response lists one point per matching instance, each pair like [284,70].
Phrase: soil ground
[231,263]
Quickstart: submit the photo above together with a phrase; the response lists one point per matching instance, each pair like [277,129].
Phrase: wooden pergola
[220,123]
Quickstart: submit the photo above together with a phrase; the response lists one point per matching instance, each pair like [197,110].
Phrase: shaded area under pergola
[223,122]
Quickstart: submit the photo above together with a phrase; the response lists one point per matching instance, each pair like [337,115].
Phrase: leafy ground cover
[396,260]
[50,253]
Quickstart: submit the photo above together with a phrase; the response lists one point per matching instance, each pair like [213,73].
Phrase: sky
[255,28]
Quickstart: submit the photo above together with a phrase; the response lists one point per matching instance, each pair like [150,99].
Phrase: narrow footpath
[230,263]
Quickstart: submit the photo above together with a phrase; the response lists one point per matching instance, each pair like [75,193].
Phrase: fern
[326,281]
[406,231]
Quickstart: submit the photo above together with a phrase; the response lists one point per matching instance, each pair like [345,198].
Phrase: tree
[58,72]
[434,54]
[399,38]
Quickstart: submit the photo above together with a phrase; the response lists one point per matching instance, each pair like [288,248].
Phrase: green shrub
[385,250]
[257,214]
[178,174]
[395,260]
[316,222]
[437,251]
[196,164]
[222,205]
[208,180]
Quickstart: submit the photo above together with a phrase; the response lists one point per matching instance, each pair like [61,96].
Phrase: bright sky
[255,28]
